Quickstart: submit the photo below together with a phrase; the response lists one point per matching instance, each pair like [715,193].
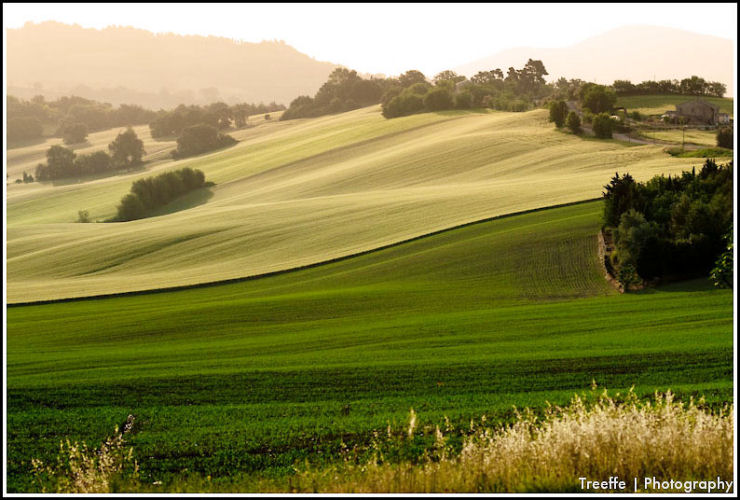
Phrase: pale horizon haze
[389,38]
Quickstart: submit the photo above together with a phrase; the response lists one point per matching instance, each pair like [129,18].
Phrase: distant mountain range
[635,53]
[128,65]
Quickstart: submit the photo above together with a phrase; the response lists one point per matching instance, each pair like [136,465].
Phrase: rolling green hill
[247,378]
[298,192]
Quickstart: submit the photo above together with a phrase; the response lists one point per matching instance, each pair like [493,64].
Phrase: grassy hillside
[302,191]
[233,380]
[659,104]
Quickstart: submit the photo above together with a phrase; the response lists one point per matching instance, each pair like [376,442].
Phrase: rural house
[698,112]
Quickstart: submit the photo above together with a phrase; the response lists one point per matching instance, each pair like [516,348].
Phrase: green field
[659,104]
[249,378]
[299,192]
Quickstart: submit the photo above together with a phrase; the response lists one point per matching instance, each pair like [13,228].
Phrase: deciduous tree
[558,113]
[573,122]
[127,149]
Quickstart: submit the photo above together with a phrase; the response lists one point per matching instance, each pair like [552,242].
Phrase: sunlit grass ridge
[298,192]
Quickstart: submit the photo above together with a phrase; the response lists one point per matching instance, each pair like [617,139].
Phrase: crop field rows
[285,196]
[245,380]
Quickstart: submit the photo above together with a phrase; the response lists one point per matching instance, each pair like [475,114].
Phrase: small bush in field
[79,469]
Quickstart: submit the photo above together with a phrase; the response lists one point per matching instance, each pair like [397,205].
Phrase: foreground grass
[248,379]
[641,442]
[628,439]
[79,469]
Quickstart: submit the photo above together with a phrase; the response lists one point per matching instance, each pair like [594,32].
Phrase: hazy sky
[390,38]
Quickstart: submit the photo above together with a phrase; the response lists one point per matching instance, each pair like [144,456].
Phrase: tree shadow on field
[93,177]
[185,202]
[461,112]
[77,145]
[165,138]
[687,285]
[24,143]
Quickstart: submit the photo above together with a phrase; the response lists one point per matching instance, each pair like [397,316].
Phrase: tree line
[151,193]
[72,118]
[218,114]
[693,85]
[518,90]
[126,151]
[344,90]
[669,226]
[69,117]
[412,92]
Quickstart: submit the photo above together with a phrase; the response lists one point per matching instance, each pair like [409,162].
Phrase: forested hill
[128,65]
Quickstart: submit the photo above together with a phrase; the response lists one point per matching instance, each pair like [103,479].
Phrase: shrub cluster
[603,125]
[218,114]
[126,151]
[74,133]
[345,90]
[670,226]
[414,99]
[200,139]
[573,122]
[154,192]
[597,98]
[558,113]
[725,138]
[64,163]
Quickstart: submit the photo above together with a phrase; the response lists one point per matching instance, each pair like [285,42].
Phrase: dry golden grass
[628,439]
[79,469]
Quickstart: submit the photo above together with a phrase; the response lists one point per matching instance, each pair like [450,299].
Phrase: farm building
[698,112]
